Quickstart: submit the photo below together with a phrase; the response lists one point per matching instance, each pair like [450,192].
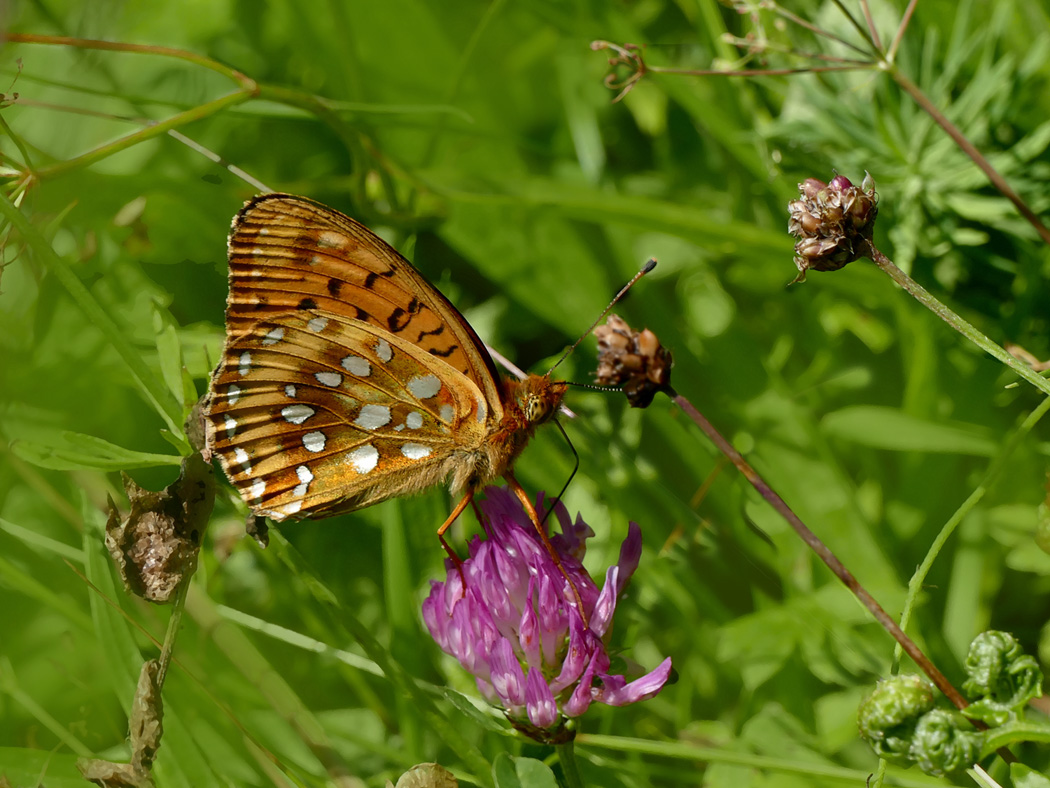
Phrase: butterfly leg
[531,510]
[467,499]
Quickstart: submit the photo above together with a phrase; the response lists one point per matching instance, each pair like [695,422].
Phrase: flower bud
[1002,678]
[887,718]
[945,742]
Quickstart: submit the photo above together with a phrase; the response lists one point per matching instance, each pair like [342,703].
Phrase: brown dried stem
[822,551]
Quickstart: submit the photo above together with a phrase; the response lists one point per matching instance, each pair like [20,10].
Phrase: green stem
[356,143]
[154,130]
[1014,733]
[867,249]
[685,751]
[162,400]
[172,633]
[918,579]
[117,46]
[569,768]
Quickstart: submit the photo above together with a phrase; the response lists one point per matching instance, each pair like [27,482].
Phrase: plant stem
[118,46]
[172,633]
[998,181]
[1014,733]
[822,551]
[153,130]
[569,768]
[832,562]
[919,578]
[752,72]
[867,249]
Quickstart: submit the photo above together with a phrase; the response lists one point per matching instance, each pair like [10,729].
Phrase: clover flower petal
[510,617]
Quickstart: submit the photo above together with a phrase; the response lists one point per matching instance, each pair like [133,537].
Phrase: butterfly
[348,379]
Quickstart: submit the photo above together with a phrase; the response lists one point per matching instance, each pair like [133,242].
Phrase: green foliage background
[479,139]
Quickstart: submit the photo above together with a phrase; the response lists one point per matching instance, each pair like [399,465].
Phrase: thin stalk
[997,180]
[754,72]
[148,49]
[856,24]
[154,130]
[27,162]
[921,295]
[822,551]
[819,31]
[919,578]
[831,561]
[172,633]
[356,144]
[765,47]
[873,31]
[1014,733]
[569,768]
[891,55]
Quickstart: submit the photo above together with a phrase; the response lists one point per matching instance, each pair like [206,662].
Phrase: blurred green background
[479,139]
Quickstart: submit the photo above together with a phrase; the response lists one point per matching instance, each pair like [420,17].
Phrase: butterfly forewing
[347,378]
[312,414]
[289,253]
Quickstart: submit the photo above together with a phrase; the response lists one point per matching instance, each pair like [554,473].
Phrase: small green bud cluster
[900,722]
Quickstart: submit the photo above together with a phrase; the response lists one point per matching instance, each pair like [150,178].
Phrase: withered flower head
[831,221]
[156,545]
[634,360]
[630,57]
[146,728]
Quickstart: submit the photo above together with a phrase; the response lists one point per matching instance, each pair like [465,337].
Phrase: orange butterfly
[348,379]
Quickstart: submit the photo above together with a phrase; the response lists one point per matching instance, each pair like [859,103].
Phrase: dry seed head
[155,547]
[632,359]
[831,221]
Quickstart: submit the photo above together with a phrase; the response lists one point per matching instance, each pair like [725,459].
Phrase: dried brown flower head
[831,221]
[156,545]
[634,360]
[145,728]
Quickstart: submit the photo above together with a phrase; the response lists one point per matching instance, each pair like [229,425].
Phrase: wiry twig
[817,546]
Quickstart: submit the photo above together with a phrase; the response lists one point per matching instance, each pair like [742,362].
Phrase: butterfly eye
[536,409]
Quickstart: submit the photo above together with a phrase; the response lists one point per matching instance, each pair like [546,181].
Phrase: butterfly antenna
[649,266]
[575,467]
[592,387]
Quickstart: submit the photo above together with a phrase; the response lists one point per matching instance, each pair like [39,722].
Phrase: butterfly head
[538,398]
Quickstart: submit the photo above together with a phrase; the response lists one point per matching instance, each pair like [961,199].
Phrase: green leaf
[887,428]
[462,703]
[511,772]
[169,354]
[1027,777]
[85,452]
[30,767]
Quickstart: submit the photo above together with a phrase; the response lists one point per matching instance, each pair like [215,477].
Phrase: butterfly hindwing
[312,413]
